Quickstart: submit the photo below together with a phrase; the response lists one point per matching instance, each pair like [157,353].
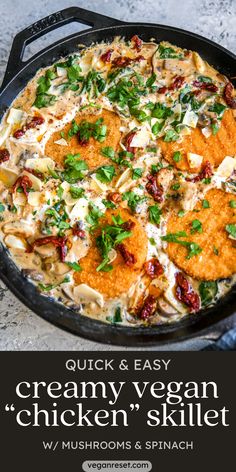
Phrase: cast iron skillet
[18,73]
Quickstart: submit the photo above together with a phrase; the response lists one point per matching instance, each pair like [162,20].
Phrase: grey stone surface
[20,329]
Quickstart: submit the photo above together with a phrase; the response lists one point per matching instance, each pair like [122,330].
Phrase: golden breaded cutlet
[218,257]
[90,152]
[117,281]
[213,149]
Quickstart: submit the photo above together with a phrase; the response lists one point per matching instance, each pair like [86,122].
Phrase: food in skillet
[118,182]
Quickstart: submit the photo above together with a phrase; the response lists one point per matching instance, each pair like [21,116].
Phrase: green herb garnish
[75,266]
[208,291]
[196,227]
[231,229]
[154,214]
[105,173]
[133,200]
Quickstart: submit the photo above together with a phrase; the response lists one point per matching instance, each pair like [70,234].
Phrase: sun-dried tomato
[162,89]
[139,58]
[148,308]
[121,61]
[35,172]
[37,120]
[185,293]
[128,225]
[129,139]
[106,57]
[137,43]
[153,268]
[24,182]
[177,83]
[155,191]
[228,95]
[78,231]
[205,173]
[19,133]
[57,241]
[124,61]
[128,257]
[114,197]
[4,155]
[206,86]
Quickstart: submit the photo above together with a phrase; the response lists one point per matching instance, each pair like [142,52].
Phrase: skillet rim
[85,326]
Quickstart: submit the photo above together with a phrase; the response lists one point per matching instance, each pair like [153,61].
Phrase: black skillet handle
[49,23]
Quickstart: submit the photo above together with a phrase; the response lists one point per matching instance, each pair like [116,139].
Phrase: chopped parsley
[56,217]
[175,187]
[76,192]
[196,227]
[215,128]
[168,53]
[74,168]
[171,135]
[108,204]
[208,291]
[116,318]
[154,214]
[231,229]
[136,173]
[177,156]
[232,203]
[49,287]
[110,236]
[152,241]
[86,130]
[93,216]
[205,204]
[75,266]
[43,99]
[105,173]
[181,213]
[133,200]
[193,248]
[218,108]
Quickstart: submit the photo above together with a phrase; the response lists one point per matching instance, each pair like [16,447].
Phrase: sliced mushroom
[164,178]
[172,300]
[165,308]
[85,293]
[183,67]
[189,196]
[15,242]
[19,227]
[33,274]
[59,268]
[47,250]
[199,63]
